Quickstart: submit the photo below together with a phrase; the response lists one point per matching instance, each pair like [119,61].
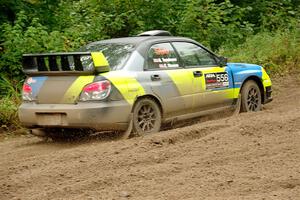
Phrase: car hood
[244,66]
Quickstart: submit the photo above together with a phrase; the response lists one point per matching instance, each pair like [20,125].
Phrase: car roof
[141,39]
[141,42]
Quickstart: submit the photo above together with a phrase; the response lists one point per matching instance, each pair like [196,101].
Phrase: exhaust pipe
[38,132]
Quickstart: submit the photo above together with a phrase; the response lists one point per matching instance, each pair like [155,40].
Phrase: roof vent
[156,33]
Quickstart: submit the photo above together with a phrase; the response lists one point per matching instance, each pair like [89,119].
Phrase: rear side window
[162,56]
[193,55]
[116,54]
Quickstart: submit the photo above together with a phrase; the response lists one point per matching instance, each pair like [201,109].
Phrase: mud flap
[237,107]
[127,133]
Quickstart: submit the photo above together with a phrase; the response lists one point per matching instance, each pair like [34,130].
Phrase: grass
[8,114]
[9,102]
[278,52]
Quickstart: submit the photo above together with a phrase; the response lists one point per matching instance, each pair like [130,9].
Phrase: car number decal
[216,80]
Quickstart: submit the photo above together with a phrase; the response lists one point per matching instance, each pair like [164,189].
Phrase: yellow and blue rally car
[135,82]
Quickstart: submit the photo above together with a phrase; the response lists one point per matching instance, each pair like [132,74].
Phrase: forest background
[265,32]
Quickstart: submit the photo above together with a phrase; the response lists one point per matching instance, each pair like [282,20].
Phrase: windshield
[116,54]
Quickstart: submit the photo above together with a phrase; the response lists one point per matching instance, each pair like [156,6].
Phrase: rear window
[116,54]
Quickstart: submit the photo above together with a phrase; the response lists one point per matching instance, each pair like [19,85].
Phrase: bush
[21,38]
[215,24]
[10,88]
[8,114]
[278,52]
[9,101]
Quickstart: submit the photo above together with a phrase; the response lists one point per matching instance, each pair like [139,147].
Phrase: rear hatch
[57,78]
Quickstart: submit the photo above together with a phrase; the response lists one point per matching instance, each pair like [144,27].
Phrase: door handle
[197,73]
[155,77]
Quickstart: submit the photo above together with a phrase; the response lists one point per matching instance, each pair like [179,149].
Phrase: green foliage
[10,88]
[278,14]
[269,15]
[9,101]
[215,23]
[8,114]
[21,38]
[278,52]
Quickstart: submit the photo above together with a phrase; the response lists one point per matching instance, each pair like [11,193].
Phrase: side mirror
[223,61]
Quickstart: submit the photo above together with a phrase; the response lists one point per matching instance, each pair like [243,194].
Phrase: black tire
[250,97]
[146,117]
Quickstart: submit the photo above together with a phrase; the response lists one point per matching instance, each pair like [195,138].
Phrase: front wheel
[146,117]
[251,97]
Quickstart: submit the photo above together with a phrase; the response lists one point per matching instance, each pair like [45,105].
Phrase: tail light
[27,92]
[95,91]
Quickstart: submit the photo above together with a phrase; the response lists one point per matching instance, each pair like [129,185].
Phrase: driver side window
[193,55]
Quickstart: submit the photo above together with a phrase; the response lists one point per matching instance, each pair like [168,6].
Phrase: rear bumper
[268,95]
[112,115]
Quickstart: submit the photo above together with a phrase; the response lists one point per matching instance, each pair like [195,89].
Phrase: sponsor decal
[157,60]
[161,51]
[169,59]
[166,62]
[30,80]
[216,80]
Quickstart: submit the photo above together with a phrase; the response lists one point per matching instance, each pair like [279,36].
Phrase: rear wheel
[250,97]
[146,117]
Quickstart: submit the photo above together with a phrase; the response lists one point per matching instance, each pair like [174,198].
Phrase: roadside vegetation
[263,32]
[278,52]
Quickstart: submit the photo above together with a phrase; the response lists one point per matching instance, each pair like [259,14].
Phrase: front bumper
[113,115]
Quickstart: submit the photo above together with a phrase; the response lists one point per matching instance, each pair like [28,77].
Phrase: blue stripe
[37,83]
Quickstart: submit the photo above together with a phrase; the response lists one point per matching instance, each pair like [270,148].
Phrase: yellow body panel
[75,89]
[128,86]
[180,78]
[265,79]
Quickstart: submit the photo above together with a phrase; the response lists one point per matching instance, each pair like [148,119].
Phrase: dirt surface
[246,156]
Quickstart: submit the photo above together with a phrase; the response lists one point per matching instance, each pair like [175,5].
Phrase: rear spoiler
[65,63]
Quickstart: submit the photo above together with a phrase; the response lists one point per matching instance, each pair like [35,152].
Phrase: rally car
[135,84]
